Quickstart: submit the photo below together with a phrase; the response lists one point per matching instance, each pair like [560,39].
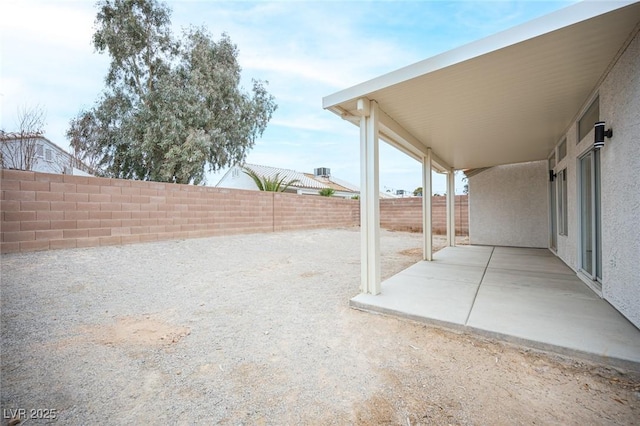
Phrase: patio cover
[504,99]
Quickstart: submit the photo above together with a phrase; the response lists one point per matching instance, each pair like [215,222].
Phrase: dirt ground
[256,329]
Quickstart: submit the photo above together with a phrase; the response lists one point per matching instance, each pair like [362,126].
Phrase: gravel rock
[256,329]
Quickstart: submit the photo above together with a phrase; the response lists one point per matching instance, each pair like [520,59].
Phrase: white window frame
[562,202]
[562,149]
[588,113]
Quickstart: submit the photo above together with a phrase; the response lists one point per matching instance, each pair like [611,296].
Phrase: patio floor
[525,296]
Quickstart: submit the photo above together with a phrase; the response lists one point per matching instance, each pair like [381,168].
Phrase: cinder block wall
[43,211]
[405,214]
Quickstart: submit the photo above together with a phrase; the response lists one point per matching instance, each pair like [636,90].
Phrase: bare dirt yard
[256,329]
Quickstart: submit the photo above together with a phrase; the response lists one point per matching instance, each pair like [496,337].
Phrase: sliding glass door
[590,232]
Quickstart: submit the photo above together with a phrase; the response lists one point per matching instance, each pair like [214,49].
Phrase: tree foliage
[171,107]
[18,150]
[271,184]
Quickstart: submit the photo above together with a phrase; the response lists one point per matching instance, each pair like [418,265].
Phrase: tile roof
[305,180]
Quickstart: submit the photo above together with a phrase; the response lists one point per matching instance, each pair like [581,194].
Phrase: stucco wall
[235,178]
[620,161]
[566,248]
[508,206]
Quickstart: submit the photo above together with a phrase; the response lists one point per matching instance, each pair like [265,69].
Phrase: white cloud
[67,25]
[306,50]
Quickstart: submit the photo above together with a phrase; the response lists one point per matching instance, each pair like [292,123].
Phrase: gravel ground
[256,329]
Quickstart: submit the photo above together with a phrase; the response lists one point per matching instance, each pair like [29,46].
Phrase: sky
[305,50]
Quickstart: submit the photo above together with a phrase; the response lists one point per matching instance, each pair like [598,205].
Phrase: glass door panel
[587,214]
[590,226]
[553,213]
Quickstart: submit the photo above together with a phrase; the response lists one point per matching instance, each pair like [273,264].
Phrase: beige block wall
[47,211]
[41,211]
[405,214]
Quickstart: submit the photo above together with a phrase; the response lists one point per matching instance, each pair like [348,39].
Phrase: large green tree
[171,107]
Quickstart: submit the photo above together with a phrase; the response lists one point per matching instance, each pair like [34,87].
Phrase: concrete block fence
[43,211]
[405,214]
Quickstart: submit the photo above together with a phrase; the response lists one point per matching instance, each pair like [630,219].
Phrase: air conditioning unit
[322,172]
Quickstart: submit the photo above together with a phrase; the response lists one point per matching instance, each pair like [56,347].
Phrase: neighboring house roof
[69,164]
[305,180]
[7,136]
[507,98]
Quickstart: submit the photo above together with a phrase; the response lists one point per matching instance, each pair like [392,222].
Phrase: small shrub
[327,192]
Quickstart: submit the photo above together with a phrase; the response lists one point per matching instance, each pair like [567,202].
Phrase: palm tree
[274,184]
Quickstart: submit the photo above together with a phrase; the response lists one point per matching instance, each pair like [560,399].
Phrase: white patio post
[427,233]
[369,198]
[451,202]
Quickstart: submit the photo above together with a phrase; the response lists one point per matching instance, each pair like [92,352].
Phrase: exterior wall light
[599,134]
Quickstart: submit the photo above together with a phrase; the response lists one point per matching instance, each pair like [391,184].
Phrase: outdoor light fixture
[599,134]
[552,176]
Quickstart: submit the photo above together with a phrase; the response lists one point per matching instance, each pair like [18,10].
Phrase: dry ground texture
[256,329]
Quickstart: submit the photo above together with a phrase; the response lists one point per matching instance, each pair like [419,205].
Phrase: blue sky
[305,50]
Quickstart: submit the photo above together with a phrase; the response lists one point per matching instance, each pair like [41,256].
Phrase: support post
[369,198]
[427,232]
[451,202]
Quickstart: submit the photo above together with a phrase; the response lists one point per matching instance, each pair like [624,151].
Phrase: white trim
[589,282]
[370,282]
[427,232]
[451,214]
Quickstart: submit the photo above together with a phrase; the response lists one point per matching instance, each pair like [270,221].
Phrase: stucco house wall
[235,178]
[567,248]
[49,158]
[508,206]
[620,161]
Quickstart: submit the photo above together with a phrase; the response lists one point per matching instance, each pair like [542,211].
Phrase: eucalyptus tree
[172,107]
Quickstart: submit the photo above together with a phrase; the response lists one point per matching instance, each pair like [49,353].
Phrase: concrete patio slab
[467,255]
[529,262]
[564,318]
[525,296]
[522,251]
[446,271]
[442,301]
[548,282]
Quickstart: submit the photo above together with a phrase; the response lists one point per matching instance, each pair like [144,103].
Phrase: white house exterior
[47,156]
[307,183]
[518,109]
